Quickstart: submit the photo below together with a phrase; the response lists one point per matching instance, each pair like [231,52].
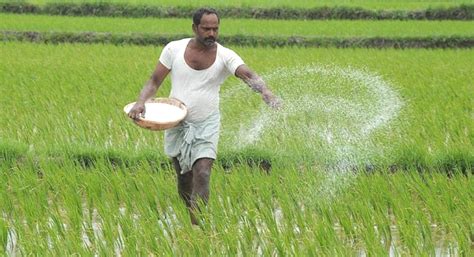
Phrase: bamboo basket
[154,125]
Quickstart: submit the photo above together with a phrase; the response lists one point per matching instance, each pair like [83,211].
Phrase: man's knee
[185,178]
[202,168]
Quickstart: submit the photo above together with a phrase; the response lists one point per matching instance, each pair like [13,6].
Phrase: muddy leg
[201,178]
[185,185]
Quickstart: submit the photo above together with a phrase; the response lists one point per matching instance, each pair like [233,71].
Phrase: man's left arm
[257,84]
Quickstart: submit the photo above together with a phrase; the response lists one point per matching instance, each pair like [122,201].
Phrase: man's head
[206,26]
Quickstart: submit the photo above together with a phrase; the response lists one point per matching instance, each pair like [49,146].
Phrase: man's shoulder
[178,43]
[225,51]
[223,48]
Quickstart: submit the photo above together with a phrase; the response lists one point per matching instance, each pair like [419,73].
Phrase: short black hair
[197,16]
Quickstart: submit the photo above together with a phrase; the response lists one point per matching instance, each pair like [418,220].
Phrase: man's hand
[257,84]
[137,111]
[271,100]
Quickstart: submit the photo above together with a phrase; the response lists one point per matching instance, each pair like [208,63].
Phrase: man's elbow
[244,73]
[155,81]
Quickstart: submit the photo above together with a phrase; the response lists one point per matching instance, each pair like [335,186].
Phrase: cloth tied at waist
[190,141]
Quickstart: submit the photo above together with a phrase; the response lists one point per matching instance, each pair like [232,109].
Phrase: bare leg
[200,184]
[185,183]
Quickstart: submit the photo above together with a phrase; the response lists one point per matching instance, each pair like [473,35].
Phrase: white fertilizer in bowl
[163,113]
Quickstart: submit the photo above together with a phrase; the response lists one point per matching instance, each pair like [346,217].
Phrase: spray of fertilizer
[328,110]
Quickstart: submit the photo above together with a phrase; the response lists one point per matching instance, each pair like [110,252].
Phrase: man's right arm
[149,90]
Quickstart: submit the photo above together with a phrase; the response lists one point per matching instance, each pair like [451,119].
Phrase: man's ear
[194,27]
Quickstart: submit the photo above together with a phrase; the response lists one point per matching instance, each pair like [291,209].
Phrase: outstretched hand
[272,101]
[256,83]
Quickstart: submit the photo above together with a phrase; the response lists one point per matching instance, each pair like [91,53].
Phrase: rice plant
[247,27]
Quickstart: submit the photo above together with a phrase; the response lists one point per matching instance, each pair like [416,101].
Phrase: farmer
[198,66]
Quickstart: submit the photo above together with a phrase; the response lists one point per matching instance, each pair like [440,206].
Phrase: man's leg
[201,178]
[185,183]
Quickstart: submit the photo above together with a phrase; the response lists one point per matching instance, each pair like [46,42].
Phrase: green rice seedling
[328,190]
[3,235]
[379,126]
[250,211]
[286,3]
[11,153]
[245,27]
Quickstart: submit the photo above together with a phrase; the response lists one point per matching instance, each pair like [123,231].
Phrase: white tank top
[198,89]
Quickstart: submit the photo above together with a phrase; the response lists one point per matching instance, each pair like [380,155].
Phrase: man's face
[206,32]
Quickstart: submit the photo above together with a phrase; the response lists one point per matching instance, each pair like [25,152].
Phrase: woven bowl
[155,125]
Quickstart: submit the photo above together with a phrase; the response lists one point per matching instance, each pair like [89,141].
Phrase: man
[198,66]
